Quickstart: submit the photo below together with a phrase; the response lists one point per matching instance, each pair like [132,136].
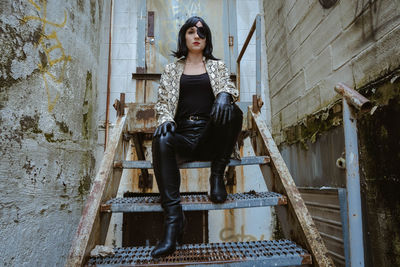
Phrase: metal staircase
[303,244]
[266,252]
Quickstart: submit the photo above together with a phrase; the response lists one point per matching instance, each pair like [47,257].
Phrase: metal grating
[253,253]
[198,201]
[142,164]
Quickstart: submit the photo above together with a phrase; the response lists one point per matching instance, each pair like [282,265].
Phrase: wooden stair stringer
[295,219]
[93,225]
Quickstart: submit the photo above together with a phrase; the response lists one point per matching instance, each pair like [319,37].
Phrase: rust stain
[184,180]
[146,114]
[202,179]
[282,200]
[306,259]
[105,208]
[118,164]
[140,90]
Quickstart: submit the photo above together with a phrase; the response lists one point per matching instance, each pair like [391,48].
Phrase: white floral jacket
[168,91]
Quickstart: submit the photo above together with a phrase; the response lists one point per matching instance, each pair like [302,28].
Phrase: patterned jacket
[168,91]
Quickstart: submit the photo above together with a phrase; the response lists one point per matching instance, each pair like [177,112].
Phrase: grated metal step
[142,164]
[197,201]
[252,253]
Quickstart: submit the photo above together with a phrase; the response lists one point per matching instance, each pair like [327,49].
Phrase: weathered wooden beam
[145,179]
[295,219]
[93,224]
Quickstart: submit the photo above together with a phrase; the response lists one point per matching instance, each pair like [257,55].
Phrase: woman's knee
[162,142]
[236,119]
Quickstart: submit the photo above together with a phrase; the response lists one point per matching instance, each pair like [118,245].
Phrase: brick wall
[310,49]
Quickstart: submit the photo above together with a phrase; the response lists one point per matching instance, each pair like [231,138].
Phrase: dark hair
[182,49]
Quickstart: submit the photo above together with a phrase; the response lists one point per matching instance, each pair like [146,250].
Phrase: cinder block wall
[49,83]
[310,49]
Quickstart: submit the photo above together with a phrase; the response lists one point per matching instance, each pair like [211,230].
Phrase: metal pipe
[356,99]
[353,185]
[258,56]
[108,75]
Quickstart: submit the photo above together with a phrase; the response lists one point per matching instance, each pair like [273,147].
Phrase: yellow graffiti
[229,235]
[45,39]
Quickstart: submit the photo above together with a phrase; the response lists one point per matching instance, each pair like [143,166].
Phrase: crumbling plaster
[48,108]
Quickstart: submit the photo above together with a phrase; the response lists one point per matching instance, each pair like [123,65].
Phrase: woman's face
[194,43]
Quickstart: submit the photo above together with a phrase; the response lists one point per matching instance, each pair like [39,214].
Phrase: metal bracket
[257,103]
[119,105]
[230,40]
[150,24]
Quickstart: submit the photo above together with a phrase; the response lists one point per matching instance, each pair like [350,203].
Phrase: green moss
[81,5]
[63,127]
[87,107]
[12,41]
[84,185]
[93,11]
[278,232]
[86,172]
[313,125]
[50,138]
[28,123]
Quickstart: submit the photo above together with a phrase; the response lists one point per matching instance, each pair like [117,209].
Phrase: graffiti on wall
[53,59]
[229,235]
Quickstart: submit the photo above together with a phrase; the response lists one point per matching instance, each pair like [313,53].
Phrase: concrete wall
[50,79]
[310,49]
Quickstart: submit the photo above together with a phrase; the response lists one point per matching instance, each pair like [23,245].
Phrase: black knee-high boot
[218,192]
[225,140]
[173,231]
[168,181]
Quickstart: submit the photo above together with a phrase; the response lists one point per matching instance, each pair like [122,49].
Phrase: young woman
[197,120]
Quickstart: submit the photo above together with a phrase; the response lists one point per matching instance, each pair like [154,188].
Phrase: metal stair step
[143,164]
[252,253]
[194,201]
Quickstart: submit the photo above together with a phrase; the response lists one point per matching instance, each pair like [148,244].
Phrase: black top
[195,97]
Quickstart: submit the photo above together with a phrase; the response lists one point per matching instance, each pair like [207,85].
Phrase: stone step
[252,253]
[143,164]
[193,201]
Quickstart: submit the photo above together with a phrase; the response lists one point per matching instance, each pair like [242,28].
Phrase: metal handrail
[351,98]
[355,98]
[257,28]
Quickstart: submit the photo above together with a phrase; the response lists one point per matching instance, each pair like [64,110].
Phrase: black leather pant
[199,140]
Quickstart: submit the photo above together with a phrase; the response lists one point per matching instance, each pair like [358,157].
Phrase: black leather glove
[222,109]
[168,126]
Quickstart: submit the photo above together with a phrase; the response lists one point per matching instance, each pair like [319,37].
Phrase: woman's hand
[221,111]
[168,126]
